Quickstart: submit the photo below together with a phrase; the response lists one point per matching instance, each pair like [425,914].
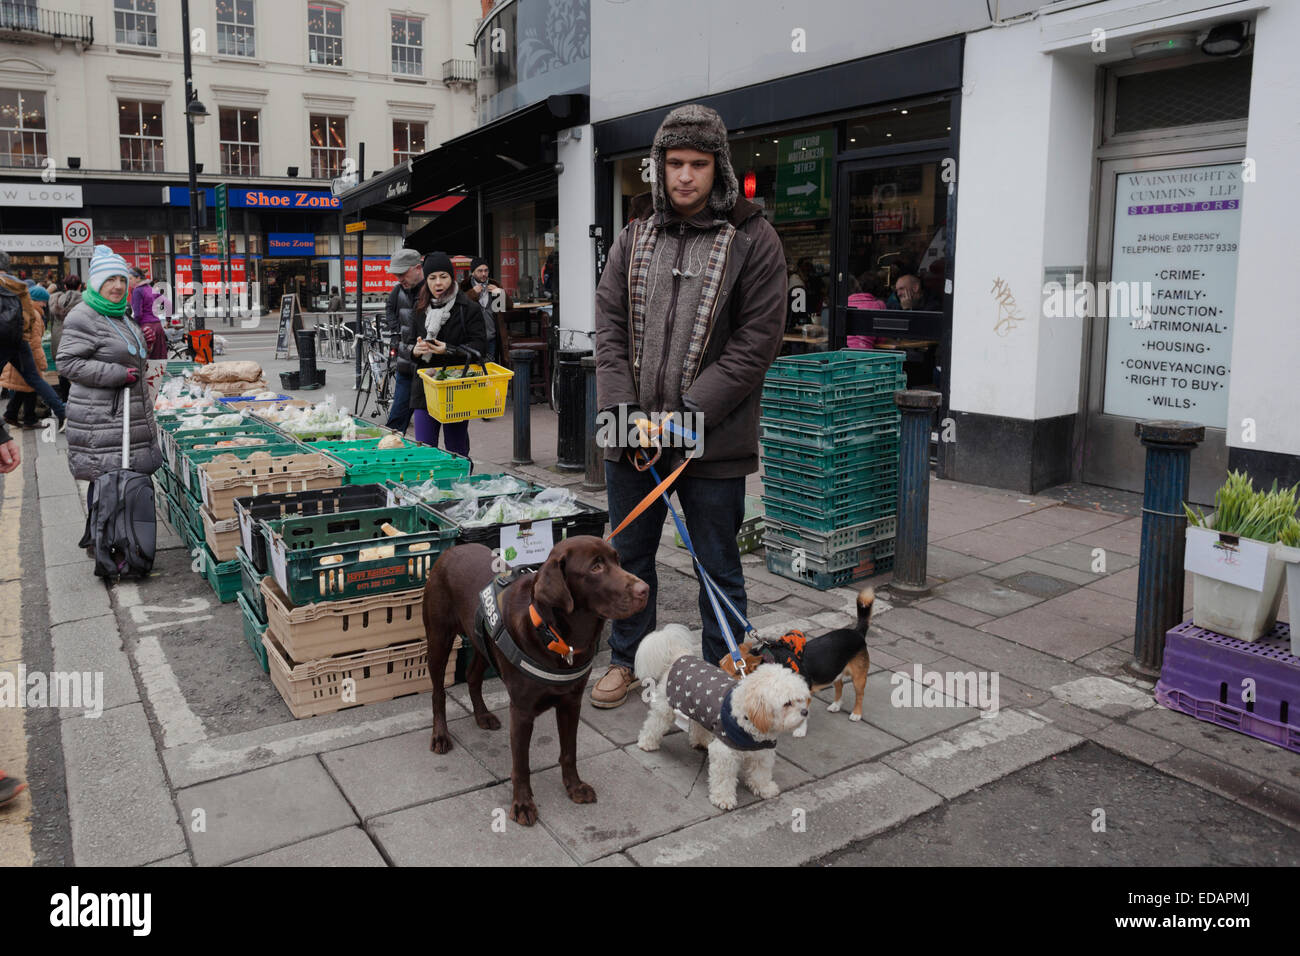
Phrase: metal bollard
[595,478]
[522,361]
[1164,539]
[912,541]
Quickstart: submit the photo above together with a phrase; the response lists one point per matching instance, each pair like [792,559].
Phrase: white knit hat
[104,264]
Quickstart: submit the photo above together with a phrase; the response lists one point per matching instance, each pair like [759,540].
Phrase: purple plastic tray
[1203,673]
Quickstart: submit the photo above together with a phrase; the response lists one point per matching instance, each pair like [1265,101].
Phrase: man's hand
[10,457]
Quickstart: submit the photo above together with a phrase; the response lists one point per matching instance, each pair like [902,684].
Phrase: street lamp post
[195,114]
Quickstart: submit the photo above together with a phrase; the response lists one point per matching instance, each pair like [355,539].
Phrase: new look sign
[290,244]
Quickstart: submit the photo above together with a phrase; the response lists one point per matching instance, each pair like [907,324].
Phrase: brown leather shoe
[611,690]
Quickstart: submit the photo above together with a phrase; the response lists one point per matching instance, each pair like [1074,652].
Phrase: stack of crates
[829,447]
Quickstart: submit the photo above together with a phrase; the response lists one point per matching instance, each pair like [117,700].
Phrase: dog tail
[866,601]
[657,651]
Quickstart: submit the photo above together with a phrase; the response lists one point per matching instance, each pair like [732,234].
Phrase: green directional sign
[803,176]
[223,219]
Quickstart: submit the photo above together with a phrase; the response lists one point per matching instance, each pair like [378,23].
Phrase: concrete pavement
[196,761]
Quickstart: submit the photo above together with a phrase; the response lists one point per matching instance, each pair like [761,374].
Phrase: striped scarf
[644,236]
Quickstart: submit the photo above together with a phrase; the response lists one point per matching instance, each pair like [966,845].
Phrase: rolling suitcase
[122,524]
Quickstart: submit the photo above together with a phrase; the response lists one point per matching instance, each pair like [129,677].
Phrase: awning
[455,232]
[503,148]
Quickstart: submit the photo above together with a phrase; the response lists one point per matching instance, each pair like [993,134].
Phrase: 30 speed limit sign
[78,238]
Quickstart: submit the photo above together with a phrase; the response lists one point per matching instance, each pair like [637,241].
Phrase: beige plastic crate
[317,687]
[311,631]
[222,536]
[222,482]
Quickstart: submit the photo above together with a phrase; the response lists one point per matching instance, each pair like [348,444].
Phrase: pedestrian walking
[19,354]
[22,398]
[406,265]
[102,352]
[336,300]
[60,305]
[689,316]
[141,302]
[443,317]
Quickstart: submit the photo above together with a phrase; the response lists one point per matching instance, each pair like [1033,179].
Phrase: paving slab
[347,847]
[1015,566]
[1050,633]
[180,859]
[1111,659]
[1135,744]
[621,724]
[614,859]
[686,770]
[1078,554]
[1068,717]
[795,827]
[396,772]
[985,594]
[471,829]
[1096,609]
[119,803]
[1219,743]
[65,512]
[60,544]
[75,593]
[1010,693]
[1078,520]
[92,649]
[53,478]
[946,564]
[1119,539]
[834,742]
[491,748]
[953,612]
[1023,528]
[262,810]
[1103,695]
[1211,774]
[895,704]
[1038,584]
[904,649]
[983,543]
[980,752]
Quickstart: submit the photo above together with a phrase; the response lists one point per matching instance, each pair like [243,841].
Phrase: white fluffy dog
[768,701]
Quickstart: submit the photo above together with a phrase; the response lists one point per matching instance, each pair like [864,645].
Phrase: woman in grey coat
[101,352]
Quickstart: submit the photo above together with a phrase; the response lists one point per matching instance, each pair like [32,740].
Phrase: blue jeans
[713,510]
[399,412]
[20,356]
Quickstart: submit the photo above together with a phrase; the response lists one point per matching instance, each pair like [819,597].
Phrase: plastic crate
[404,494]
[250,583]
[825,543]
[877,387]
[252,511]
[364,430]
[250,400]
[416,463]
[825,439]
[460,399]
[341,556]
[178,441]
[587,520]
[221,482]
[254,628]
[831,502]
[827,414]
[865,458]
[315,687]
[1203,673]
[840,559]
[180,368]
[812,572]
[817,481]
[830,519]
[222,575]
[165,479]
[830,368]
[190,459]
[750,536]
[330,628]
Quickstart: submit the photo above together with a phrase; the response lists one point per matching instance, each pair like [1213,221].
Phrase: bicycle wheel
[363,393]
[384,396]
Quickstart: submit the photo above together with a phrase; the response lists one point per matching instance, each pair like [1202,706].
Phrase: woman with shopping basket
[443,321]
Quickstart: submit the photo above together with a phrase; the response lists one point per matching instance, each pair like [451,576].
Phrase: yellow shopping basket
[480,395]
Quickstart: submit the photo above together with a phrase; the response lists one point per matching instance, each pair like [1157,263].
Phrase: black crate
[253,510]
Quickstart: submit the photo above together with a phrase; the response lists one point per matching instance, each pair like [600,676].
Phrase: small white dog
[738,720]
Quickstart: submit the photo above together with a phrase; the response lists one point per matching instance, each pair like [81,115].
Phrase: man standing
[689,316]
[491,298]
[405,264]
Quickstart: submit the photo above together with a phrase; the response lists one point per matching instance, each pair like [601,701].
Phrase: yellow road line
[15,819]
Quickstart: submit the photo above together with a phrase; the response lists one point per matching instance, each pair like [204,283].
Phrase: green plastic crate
[324,557]
[830,368]
[364,430]
[165,479]
[181,368]
[828,439]
[413,464]
[861,493]
[830,519]
[223,576]
[828,414]
[254,628]
[332,446]
[179,442]
[192,458]
[250,585]
[825,543]
[872,387]
[750,536]
[825,481]
[871,454]
[809,571]
[49,353]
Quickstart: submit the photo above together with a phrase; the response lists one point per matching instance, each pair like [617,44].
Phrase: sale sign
[211,274]
[378,278]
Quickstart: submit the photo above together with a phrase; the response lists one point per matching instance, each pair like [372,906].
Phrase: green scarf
[102,305]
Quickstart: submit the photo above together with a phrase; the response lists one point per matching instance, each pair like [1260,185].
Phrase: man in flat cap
[690,312]
[405,264]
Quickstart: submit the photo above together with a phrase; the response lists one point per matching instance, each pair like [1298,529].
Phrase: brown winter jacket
[743,340]
[34,332]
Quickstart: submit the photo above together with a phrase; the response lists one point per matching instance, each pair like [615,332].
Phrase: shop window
[240,142]
[408,140]
[525,262]
[136,22]
[235,31]
[324,34]
[140,136]
[1203,92]
[898,124]
[408,46]
[22,128]
[329,145]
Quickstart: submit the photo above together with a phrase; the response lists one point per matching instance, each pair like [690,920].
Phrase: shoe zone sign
[308,200]
[282,244]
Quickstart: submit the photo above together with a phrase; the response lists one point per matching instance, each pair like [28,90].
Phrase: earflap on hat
[695,127]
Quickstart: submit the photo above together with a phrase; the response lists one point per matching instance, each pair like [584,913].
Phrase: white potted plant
[1233,558]
[1287,550]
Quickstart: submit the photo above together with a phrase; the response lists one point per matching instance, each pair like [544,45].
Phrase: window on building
[408,46]
[235,28]
[19,14]
[140,136]
[240,142]
[408,140]
[324,34]
[136,22]
[329,145]
[22,128]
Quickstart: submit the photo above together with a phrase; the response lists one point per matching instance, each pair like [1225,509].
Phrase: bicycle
[377,374]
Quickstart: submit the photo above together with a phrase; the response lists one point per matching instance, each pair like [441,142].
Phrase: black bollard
[307,374]
[521,384]
[571,389]
[1164,539]
[595,478]
[912,540]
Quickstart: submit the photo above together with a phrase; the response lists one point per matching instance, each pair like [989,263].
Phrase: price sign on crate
[530,545]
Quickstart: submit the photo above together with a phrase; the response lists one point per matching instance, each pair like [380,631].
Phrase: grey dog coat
[703,692]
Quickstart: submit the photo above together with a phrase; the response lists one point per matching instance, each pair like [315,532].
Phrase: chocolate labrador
[541,632]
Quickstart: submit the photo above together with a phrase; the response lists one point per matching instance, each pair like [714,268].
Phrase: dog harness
[490,628]
[703,692]
[786,650]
